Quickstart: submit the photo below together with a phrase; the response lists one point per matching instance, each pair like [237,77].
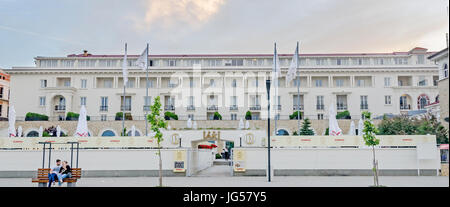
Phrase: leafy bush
[327,131]
[248,115]
[403,125]
[35,117]
[217,116]
[343,115]
[295,115]
[170,115]
[71,116]
[218,156]
[119,116]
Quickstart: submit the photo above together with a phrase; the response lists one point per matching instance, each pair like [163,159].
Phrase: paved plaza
[290,181]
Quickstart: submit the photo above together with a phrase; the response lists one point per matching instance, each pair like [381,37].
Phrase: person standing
[53,174]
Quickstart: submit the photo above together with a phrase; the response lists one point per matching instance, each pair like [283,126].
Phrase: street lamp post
[240,140]
[268,127]
[180,141]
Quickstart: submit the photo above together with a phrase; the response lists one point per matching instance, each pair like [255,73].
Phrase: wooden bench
[42,177]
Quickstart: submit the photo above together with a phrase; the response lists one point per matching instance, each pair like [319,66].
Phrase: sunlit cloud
[168,14]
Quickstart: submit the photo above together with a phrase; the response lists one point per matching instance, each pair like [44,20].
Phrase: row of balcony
[339,107]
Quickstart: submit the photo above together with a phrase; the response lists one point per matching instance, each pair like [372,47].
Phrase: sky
[30,28]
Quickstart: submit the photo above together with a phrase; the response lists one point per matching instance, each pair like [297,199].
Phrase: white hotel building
[198,85]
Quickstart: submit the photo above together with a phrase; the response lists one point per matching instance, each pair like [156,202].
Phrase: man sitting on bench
[54,171]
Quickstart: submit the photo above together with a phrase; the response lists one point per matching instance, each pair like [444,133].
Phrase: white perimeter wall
[89,159]
[337,158]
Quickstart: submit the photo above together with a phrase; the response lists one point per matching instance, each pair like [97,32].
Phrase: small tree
[306,130]
[217,116]
[248,115]
[157,122]
[369,138]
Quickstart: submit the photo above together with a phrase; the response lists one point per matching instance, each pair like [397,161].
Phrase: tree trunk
[375,171]
[160,165]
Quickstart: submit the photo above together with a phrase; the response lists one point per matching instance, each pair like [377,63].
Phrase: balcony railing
[212,108]
[299,107]
[405,107]
[60,107]
[190,108]
[103,108]
[146,108]
[255,107]
[320,107]
[125,108]
[233,108]
[341,106]
[169,108]
[277,107]
[364,106]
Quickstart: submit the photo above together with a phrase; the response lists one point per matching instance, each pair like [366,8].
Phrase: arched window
[136,133]
[282,132]
[33,134]
[108,133]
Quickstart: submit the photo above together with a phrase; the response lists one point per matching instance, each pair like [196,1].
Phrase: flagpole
[298,90]
[123,106]
[146,97]
[276,89]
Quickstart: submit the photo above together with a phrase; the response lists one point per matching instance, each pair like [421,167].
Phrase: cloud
[169,14]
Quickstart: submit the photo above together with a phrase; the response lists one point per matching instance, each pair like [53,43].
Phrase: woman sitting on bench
[64,172]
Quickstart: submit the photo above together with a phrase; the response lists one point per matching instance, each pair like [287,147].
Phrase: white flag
[276,70]
[293,67]
[124,67]
[142,61]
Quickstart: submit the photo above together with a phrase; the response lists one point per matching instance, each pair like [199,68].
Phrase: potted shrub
[35,117]
[217,116]
[170,116]
[343,115]
[295,115]
[248,115]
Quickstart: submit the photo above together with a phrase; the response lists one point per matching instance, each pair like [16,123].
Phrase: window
[387,100]
[83,101]
[125,106]
[191,82]
[108,83]
[233,116]
[297,82]
[401,61]
[445,69]
[83,83]
[107,63]
[420,59]
[338,61]
[320,103]
[318,83]
[108,133]
[43,83]
[212,83]
[341,102]
[49,63]
[103,117]
[360,83]
[191,116]
[364,104]
[86,63]
[233,83]
[422,81]
[256,82]
[387,81]
[150,83]
[67,83]
[104,103]
[191,101]
[321,61]
[42,101]
[233,101]
[238,62]
[319,116]
[171,63]
[1,94]
[130,84]
[147,100]
[339,83]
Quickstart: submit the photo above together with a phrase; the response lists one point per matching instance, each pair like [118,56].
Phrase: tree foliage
[306,128]
[403,125]
[369,131]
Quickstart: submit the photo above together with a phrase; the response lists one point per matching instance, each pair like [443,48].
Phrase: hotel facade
[197,86]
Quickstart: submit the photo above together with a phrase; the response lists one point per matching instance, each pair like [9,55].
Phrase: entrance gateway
[206,148]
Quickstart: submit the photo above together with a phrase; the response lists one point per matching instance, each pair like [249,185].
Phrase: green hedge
[119,116]
[343,115]
[35,117]
[217,116]
[71,116]
[295,115]
[248,115]
[170,115]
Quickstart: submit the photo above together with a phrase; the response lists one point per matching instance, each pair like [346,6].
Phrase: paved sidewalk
[282,181]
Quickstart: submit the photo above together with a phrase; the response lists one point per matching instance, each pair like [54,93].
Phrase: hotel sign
[239,160]
[179,158]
